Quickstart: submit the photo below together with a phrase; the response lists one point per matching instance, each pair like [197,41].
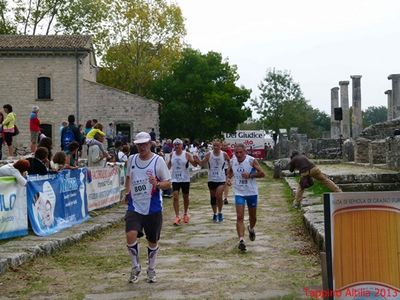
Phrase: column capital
[394,76]
[334,89]
[388,92]
[355,76]
[346,82]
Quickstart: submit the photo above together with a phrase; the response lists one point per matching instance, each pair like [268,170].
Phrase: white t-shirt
[242,186]
[144,198]
[122,157]
[216,167]
[179,167]
[9,170]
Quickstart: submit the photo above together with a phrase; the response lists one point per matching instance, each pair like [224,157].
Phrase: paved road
[197,261]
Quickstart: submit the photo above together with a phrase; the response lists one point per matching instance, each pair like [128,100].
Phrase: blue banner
[13,215]
[57,201]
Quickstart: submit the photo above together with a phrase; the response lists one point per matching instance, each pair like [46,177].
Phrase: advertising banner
[254,140]
[57,201]
[13,210]
[103,187]
[362,232]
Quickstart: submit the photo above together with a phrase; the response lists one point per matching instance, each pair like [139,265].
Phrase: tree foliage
[147,41]
[374,114]
[281,104]
[200,98]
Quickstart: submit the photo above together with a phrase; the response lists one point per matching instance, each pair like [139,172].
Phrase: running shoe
[177,221]
[220,217]
[226,201]
[296,205]
[252,233]
[186,218]
[215,218]
[151,276]
[242,246]
[134,277]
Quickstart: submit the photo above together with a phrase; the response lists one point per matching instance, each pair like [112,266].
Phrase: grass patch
[317,188]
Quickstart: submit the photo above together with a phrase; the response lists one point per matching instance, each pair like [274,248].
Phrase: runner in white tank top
[179,166]
[244,169]
[216,161]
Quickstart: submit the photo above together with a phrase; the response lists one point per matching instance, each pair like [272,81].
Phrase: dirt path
[197,261]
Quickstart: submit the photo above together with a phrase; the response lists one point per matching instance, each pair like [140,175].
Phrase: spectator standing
[48,144]
[153,135]
[110,135]
[9,127]
[34,127]
[95,156]
[71,162]
[88,127]
[70,133]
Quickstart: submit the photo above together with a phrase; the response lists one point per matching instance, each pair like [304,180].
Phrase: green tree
[374,114]
[200,98]
[281,104]
[147,40]
[6,25]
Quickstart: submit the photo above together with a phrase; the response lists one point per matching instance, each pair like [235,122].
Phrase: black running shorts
[185,186]
[151,224]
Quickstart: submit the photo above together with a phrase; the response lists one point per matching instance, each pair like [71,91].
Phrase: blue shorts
[250,200]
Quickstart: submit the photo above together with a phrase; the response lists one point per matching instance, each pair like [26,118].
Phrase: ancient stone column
[357,116]
[335,125]
[395,94]
[344,104]
[390,107]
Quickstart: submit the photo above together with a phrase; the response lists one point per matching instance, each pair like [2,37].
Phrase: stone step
[370,186]
[366,178]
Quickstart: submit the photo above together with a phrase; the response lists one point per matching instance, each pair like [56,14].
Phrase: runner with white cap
[179,166]
[147,174]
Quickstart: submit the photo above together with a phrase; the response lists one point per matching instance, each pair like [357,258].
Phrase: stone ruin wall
[393,153]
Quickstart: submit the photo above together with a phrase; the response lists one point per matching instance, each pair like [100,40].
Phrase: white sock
[152,255]
[133,250]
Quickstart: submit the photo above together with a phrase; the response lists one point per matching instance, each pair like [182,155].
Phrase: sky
[320,42]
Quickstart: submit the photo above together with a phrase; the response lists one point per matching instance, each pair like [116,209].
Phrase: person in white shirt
[179,166]
[95,155]
[146,175]
[244,169]
[216,160]
[17,170]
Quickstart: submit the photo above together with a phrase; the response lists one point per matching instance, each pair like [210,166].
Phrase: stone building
[58,73]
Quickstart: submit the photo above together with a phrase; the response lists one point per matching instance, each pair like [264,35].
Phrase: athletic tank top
[242,186]
[216,167]
[179,168]
[144,199]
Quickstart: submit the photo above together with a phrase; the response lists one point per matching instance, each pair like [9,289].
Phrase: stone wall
[361,152]
[393,152]
[380,130]
[377,152]
[109,104]
[324,148]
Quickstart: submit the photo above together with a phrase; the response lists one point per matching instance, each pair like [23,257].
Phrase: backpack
[67,137]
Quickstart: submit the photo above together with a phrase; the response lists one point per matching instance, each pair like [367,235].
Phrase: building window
[44,88]
[123,132]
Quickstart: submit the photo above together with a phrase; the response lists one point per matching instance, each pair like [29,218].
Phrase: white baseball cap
[142,137]
[177,141]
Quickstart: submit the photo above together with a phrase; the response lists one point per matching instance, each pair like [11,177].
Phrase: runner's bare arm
[191,159]
[259,172]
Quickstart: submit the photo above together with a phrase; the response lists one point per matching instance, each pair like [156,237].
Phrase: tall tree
[200,98]
[373,115]
[148,39]
[6,25]
[281,104]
